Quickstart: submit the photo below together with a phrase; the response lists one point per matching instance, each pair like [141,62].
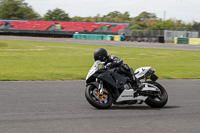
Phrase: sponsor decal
[127,95]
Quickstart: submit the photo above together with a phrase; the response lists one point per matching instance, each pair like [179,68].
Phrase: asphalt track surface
[110,43]
[61,107]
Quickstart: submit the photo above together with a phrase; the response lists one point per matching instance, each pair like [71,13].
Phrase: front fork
[100,88]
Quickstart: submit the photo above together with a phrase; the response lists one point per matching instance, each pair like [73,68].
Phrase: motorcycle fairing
[140,72]
[128,95]
[114,79]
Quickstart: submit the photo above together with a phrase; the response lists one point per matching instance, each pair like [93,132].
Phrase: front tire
[99,102]
[161,100]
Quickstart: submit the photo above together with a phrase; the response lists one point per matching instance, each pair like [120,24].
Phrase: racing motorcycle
[105,87]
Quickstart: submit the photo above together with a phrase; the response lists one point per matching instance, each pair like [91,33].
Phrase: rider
[112,61]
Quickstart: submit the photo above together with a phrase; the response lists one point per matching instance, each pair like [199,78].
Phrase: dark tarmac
[61,107]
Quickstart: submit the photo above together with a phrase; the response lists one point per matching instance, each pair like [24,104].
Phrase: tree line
[20,10]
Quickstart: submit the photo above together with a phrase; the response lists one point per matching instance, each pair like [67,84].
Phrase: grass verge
[32,60]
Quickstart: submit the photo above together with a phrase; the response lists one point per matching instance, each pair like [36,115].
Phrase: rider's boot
[137,86]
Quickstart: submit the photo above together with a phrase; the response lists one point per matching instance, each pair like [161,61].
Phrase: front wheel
[95,99]
[157,101]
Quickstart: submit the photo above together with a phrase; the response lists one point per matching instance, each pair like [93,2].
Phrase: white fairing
[94,68]
[127,95]
[149,87]
[141,71]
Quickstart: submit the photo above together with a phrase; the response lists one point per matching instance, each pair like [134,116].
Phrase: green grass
[32,60]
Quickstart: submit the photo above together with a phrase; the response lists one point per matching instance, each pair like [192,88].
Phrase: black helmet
[100,54]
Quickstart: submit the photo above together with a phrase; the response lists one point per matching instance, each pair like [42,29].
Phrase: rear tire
[99,102]
[156,102]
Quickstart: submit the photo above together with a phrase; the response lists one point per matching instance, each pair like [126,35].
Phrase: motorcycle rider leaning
[112,61]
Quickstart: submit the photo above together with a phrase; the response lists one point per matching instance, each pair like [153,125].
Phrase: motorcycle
[105,87]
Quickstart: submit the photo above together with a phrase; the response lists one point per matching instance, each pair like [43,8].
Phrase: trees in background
[16,9]
[149,21]
[56,15]
[196,26]
[112,17]
[117,17]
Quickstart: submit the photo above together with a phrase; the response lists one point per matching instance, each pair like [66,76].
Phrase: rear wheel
[160,100]
[92,94]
